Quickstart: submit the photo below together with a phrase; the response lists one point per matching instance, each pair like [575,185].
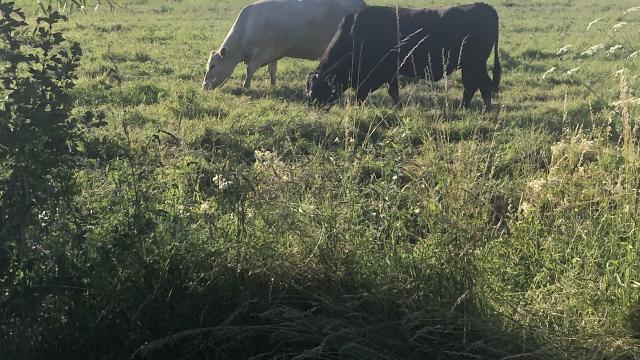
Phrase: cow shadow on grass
[279,92]
[413,92]
[429,96]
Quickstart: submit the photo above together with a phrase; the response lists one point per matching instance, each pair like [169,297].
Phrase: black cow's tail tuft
[497,69]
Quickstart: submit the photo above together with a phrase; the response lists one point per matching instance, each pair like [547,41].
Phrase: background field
[231,224]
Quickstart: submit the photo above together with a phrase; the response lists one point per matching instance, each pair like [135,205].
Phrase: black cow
[367,51]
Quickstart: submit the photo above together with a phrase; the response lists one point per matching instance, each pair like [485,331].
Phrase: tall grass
[239,225]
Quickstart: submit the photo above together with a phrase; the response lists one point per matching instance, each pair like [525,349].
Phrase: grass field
[233,224]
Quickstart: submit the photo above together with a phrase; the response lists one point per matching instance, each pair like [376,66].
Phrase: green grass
[229,224]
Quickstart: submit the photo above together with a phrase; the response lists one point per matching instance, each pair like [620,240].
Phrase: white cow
[269,30]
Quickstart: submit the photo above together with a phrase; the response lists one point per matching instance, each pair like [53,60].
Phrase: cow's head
[323,89]
[219,68]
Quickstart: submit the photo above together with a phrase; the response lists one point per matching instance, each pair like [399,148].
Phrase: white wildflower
[264,156]
[268,164]
[565,49]
[527,208]
[620,72]
[618,26]
[612,50]
[593,23]
[205,206]
[307,209]
[592,50]
[549,72]
[634,54]
[588,150]
[43,216]
[572,71]
[221,182]
[632,10]
[537,185]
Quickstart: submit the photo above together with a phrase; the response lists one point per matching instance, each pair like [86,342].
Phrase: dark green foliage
[39,142]
[38,136]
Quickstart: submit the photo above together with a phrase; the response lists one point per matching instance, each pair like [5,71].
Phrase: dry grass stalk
[628,142]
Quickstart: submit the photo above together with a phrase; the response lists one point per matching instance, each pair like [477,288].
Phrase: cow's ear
[223,52]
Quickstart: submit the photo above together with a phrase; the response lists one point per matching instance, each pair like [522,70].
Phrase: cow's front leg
[273,70]
[362,94]
[251,69]
[394,91]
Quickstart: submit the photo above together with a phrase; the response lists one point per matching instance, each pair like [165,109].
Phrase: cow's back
[431,38]
[292,28]
[469,30]
[376,44]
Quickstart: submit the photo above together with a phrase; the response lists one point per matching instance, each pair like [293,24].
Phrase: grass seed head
[593,50]
[565,49]
[618,26]
[613,50]
[591,24]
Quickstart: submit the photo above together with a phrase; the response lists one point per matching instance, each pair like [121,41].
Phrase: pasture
[232,224]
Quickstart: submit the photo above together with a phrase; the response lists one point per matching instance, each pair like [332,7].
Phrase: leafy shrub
[38,135]
[39,149]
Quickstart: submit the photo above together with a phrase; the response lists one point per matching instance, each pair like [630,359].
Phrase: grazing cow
[269,30]
[368,52]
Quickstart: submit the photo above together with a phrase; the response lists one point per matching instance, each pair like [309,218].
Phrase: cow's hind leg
[362,94]
[273,72]
[470,82]
[486,89]
[394,90]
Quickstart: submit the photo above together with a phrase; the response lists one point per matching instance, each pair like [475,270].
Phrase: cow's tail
[497,69]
